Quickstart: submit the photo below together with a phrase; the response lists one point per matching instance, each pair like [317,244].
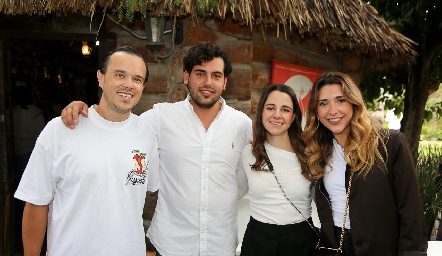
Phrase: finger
[66,117]
[84,110]
[75,109]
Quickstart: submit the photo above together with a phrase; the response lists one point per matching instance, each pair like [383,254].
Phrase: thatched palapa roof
[339,24]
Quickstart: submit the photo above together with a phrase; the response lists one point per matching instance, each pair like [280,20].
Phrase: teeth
[125,95]
[276,123]
[334,119]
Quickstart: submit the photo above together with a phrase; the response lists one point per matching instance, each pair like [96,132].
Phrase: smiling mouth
[335,119]
[125,95]
[275,123]
[206,92]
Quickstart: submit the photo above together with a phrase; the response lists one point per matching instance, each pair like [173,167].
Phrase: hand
[69,115]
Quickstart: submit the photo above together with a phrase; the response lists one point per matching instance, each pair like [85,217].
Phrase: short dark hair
[127,49]
[203,52]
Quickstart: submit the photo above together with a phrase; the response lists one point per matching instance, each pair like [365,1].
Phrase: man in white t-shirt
[87,186]
[200,140]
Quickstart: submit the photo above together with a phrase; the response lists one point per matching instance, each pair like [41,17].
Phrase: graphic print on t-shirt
[138,175]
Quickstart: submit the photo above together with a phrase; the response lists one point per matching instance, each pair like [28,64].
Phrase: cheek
[321,112]
[290,117]
[265,115]
[349,108]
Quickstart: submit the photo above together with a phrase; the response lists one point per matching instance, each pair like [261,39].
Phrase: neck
[281,142]
[206,115]
[109,115]
[341,140]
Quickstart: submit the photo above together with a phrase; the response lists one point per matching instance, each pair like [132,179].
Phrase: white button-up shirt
[196,208]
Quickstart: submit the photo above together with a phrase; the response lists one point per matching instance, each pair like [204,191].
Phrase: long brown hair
[295,130]
[361,149]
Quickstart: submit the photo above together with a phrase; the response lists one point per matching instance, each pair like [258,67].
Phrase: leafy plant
[128,8]
[427,160]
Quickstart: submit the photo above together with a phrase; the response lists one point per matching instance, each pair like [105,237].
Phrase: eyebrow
[337,97]
[273,104]
[125,72]
[202,70]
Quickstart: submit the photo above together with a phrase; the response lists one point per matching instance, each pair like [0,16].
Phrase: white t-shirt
[266,201]
[94,179]
[196,208]
[334,182]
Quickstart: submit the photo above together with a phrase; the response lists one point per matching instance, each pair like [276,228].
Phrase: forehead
[279,98]
[123,59]
[214,65]
[330,91]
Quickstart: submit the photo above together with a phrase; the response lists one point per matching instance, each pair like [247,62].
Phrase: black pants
[347,245]
[273,240]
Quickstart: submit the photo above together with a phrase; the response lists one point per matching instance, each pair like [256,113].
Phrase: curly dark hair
[203,52]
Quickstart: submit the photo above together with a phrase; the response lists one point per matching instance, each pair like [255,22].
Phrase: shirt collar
[220,100]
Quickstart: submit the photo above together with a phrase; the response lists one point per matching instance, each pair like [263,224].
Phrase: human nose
[277,114]
[209,81]
[333,109]
[130,82]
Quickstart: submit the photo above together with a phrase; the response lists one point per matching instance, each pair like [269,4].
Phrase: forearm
[35,219]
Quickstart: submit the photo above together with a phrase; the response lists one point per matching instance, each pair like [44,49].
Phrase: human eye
[200,74]
[270,107]
[342,100]
[138,80]
[119,75]
[322,104]
[286,110]
[218,75]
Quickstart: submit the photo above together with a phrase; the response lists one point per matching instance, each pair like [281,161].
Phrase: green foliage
[130,7]
[434,105]
[213,4]
[420,21]
[427,161]
[392,83]
[202,5]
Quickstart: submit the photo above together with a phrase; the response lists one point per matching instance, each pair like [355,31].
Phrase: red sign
[299,78]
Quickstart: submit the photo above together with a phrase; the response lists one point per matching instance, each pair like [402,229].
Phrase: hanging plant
[202,6]
[130,7]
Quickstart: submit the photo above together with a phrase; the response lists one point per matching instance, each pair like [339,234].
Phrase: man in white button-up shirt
[200,140]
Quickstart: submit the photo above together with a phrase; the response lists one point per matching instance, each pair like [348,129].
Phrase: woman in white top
[277,155]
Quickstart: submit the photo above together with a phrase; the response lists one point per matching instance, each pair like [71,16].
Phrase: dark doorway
[54,72]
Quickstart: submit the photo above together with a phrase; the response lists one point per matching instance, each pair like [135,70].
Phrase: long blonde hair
[361,149]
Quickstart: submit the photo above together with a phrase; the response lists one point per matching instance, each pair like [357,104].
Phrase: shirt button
[204,188]
[203,210]
[202,232]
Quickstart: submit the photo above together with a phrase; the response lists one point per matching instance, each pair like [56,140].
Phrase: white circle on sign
[302,87]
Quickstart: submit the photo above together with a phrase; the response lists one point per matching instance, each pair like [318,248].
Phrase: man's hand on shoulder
[69,115]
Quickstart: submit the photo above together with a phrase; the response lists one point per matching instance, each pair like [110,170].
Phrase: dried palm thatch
[344,24]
